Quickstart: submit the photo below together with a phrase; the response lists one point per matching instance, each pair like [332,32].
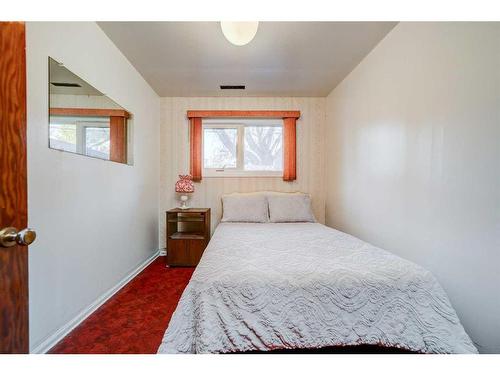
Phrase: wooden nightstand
[188,234]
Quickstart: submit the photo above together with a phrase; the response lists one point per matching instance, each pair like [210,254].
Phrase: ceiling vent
[65,84]
[232,87]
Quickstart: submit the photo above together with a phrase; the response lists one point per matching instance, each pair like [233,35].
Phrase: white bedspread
[304,285]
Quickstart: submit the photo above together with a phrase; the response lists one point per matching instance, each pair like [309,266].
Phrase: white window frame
[240,125]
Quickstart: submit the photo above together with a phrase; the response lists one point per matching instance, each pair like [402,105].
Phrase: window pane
[219,147]
[63,137]
[263,148]
[97,142]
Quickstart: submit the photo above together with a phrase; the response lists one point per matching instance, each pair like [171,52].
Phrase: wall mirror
[83,120]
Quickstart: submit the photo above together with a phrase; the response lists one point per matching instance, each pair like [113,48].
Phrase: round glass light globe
[239,33]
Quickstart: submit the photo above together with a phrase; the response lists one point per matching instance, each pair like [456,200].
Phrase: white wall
[414,160]
[96,220]
[174,159]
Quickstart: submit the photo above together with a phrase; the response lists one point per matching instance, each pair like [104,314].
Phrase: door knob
[10,237]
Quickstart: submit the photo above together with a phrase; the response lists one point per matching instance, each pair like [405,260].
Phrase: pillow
[245,207]
[290,207]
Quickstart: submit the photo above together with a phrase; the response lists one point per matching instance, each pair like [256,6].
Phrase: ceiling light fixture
[239,33]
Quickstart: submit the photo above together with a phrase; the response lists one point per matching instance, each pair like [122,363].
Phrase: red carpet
[133,320]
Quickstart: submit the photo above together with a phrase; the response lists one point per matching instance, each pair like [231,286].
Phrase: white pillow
[290,207]
[245,207]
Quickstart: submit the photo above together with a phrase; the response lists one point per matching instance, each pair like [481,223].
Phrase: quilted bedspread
[304,285]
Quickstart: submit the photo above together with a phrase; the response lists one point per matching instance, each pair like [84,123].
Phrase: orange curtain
[118,139]
[195,147]
[289,149]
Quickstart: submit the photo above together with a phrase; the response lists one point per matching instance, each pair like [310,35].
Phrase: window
[220,151]
[63,136]
[250,147]
[263,148]
[91,138]
[97,141]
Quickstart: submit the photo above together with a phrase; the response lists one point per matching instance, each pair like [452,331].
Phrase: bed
[274,286]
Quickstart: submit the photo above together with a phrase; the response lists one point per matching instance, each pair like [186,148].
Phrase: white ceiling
[60,74]
[284,59]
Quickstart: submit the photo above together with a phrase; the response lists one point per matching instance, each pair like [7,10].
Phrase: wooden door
[13,195]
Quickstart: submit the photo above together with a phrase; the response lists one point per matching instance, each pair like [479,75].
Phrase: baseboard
[57,336]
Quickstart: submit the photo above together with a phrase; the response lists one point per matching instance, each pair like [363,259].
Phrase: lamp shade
[239,33]
[185,184]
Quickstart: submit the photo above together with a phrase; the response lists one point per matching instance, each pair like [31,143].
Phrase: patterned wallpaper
[174,154]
